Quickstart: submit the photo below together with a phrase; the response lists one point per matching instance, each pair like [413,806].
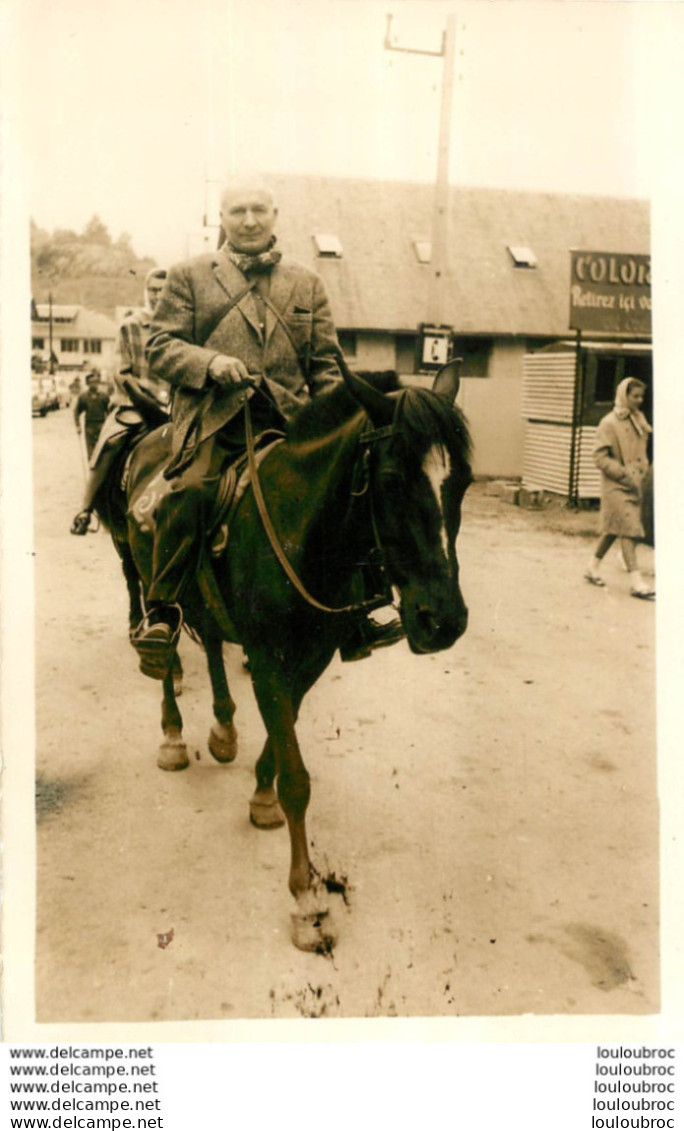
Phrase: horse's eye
[392,480]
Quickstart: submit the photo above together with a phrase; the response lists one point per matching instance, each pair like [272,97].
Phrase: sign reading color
[610,292]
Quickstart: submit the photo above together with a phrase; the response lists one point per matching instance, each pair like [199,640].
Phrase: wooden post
[440,209]
[51,364]
[573,478]
[440,215]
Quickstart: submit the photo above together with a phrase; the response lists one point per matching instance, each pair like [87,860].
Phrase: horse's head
[419,472]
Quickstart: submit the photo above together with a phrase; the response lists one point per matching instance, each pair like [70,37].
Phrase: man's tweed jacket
[296,362]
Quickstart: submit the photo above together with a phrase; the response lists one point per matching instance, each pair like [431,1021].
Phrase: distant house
[507,279]
[81,338]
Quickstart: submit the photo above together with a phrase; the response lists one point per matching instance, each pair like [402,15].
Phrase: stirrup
[368,635]
[81,523]
[156,643]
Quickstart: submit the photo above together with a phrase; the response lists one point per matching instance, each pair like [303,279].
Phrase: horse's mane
[424,416]
[431,418]
[328,411]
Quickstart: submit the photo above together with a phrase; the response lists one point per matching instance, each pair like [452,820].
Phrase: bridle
[367,438]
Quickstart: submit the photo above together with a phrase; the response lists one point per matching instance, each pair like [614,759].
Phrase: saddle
[233,483]
[229,489]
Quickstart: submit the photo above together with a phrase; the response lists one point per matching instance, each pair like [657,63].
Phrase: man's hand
[227,370]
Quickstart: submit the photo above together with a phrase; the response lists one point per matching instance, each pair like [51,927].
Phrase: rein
[360,606]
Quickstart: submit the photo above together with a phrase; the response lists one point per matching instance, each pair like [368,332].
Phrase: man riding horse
[240,324]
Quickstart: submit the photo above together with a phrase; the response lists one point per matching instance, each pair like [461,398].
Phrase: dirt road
[492,809]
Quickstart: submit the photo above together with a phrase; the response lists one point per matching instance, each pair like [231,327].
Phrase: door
[603,371]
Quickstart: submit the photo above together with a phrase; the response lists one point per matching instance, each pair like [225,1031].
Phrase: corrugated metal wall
[547,400]
[546,462]
[548,387]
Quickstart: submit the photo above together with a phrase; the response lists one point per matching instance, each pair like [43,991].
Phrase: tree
[88,268]
[96,232]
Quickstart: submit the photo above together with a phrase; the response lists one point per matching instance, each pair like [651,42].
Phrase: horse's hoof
[223,742]
[313,930]
[265,811]
[173,755]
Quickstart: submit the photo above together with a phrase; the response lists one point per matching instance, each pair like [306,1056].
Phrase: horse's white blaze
[437,468]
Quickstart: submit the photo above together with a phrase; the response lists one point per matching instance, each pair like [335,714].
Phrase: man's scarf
[258,264]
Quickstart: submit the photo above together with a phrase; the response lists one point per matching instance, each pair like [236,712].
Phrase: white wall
[493,407]
[492,404]
[375,351]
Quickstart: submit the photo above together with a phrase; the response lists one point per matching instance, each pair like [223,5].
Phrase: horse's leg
[173,753]
[177,671]
[223,735]
[130,572]
[311,928]
[265,811]
[264,808]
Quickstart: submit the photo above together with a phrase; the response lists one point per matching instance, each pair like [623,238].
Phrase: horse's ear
[448,379]
[377,404]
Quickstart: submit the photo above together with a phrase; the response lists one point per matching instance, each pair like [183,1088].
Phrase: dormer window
[327,246]
[522,256]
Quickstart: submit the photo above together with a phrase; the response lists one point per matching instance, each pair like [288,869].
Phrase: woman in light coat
[620,454]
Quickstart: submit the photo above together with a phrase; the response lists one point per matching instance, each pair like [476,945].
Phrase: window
[69,345]
[327,246]
[606,379]
[37,343]
[522,256]
[92,345]
[423,250]
[476,353]
[347,341]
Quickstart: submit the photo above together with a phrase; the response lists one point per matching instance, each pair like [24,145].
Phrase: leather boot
[366,635]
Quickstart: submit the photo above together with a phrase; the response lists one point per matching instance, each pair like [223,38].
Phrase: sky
[131,108]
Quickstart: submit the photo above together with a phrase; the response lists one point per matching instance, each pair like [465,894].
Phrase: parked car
[44,396]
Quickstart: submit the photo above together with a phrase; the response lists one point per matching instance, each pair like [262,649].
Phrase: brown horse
[369,468]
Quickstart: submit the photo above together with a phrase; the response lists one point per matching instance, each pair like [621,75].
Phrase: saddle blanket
[228,492]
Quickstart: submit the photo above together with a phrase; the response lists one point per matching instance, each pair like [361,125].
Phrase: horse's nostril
[428,620]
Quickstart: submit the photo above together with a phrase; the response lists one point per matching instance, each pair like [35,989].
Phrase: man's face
[248,219]
[154,289]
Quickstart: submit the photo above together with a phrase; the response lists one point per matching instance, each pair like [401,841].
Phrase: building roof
[378,282]
[74,321]
[60,312]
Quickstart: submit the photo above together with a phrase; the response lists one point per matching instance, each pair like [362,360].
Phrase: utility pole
[440,212]
[51,365]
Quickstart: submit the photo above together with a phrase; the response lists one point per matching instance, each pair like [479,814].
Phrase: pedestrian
[133,369]
[93,405]
[243,313]
[620,453]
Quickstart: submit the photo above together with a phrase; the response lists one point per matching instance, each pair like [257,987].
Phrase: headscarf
[623,410]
